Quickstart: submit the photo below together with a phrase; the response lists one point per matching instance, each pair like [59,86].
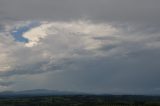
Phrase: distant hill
[37,92]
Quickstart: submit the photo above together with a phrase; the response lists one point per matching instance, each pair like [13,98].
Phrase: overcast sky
[98,46]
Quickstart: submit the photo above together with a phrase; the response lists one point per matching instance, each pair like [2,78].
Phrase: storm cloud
[104,46]
[107,10]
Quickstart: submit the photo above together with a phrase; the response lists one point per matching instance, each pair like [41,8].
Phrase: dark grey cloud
[129,75]
[4,83]
[116,75]
[1,27]
[106,10]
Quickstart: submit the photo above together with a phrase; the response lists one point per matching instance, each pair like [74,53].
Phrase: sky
[93,46]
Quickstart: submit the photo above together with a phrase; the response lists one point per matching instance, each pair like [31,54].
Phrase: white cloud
[50,44]
[82,29]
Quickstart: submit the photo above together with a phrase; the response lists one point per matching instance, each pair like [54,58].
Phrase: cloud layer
[104,46]
[143,11]
[104,57]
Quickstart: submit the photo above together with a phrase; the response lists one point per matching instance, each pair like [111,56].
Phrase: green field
[81,100]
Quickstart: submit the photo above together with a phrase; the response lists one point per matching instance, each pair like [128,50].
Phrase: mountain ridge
[38,92]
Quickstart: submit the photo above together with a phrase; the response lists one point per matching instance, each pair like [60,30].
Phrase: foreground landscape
[81,100]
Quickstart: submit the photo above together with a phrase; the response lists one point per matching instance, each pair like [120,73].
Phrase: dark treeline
[82,100]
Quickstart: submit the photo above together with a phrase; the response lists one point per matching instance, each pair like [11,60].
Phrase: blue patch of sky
[18,32]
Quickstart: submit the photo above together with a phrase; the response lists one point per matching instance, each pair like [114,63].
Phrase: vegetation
[81,100]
